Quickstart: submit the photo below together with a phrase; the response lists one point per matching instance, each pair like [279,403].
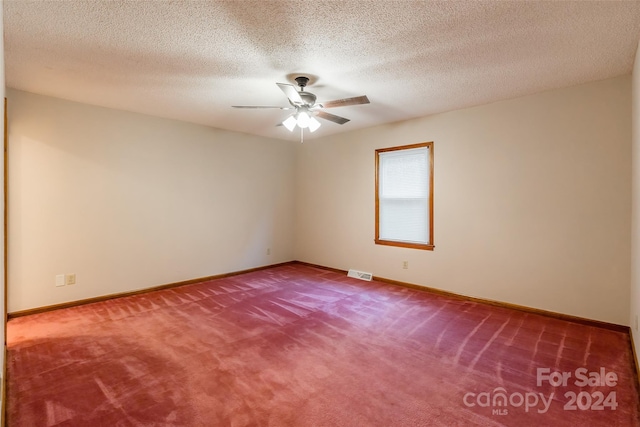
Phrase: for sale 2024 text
[582,377]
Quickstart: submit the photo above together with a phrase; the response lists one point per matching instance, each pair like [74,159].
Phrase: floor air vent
[360,275]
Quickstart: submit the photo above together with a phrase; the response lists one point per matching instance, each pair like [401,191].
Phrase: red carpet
[300,346]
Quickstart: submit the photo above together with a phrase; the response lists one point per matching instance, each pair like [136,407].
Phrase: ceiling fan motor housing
[308,98]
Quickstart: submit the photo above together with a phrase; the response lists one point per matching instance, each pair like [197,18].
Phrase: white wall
[127,201]
[635,212]
[532,201]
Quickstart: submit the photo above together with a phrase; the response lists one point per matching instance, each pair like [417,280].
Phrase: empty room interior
[201,227]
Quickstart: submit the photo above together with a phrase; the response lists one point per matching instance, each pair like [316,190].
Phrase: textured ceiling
[192,60]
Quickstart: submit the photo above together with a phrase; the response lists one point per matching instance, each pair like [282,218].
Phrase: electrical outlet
[636,322]
[268,251]
[71,279]
[405,265]
[59,279]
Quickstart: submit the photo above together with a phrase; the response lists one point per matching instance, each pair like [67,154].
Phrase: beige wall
[532,201]
[127,201]
[2,93]
[635,211]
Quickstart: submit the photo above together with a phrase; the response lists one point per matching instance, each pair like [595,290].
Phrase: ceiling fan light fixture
[314,124]
[290,123]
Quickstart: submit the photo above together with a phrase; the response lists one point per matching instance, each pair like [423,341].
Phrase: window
[404,196]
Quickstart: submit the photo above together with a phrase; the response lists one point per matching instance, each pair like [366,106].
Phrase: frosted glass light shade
[290,123]
[314,124]
[303,119]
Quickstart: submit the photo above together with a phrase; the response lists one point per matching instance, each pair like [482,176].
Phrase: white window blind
[403,195]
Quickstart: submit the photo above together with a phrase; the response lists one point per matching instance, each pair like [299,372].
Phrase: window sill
[425,247]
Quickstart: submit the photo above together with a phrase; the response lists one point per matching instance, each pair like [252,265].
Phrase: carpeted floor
[301,346]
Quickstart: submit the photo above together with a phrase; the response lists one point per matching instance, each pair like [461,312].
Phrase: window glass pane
[404,173]
[404,220]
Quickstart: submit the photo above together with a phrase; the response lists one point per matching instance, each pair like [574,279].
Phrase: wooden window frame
[430,245]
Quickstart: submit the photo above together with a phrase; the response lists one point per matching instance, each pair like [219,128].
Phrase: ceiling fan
[307,109]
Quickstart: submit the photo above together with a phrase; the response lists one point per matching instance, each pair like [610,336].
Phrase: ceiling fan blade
[261,106]
[332,117]
[291,93]
[357,100]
